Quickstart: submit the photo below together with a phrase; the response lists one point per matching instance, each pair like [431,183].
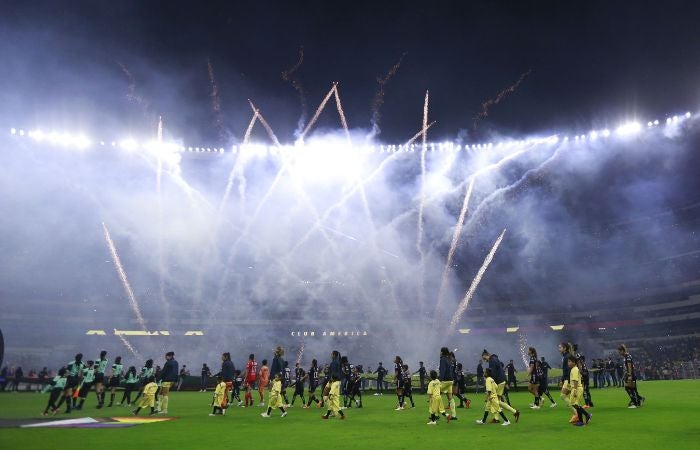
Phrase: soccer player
[149,396]
[534,371]
[74,372]
[544,382]
[398,363]
[354,386]
[566,351]
[218,400]
[86,384]
[206,373]
[334,399]
[496,370]
[492,404]
[277,363]
[407,389]
[115,379]
[585,381]
[381,373]
[236,391]
[460,381]
[100,369]
[57,385]
[345,379]
[447,380]
[435,406]
[299,377]
[168,376]
[286,382]
[275,400]
[263,378]
[227,373]
[251,373]
[314,375]
[576,393]
[630,379]
[510,371]
[131,384]
[146,373]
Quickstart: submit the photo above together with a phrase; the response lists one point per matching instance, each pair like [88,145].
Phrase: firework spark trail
[313,120]
[422,132]
[453,247]
[498,98]
[511,187]
[419,237]
[131,89]
[215,101]
[249,130]
[378,100]
[159,172]
[301,353]
[342,114]
[348,195]
[128,345]
[266,125]
[122,277]
[235,169]
[288,75]
[522,343]
[475,284]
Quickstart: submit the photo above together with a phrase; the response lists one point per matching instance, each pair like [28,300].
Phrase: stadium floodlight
[557,327]
[687,115]
[80,141]
[13,131]
[464,330]
[629,129]
[668,120]
[656,122]
[512,329]
[21,132]
[606,132]
[594,134]
[37,135]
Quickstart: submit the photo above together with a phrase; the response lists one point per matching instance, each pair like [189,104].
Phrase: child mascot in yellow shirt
[149,396]
[334,399]
[435,405]
[581,416]
[275,400]
[492,404]
[219,399]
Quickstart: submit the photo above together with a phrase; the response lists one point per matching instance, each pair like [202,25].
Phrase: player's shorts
[312,387]
[534,379]
[500,388]
[166,384]
[85,390]
[543,385]
[250,381]
[446,387]
[71,382]
[113,382]
[99,377]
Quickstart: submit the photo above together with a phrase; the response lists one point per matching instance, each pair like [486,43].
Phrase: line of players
[74,382]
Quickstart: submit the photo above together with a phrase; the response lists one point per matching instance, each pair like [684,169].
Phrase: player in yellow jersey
[275,400]
[219,399]
[576,394]
[492,404]
[334,399]
[149,396]
[435,406]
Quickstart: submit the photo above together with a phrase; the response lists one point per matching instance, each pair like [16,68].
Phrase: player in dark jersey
[534,371]
[74,374]
[398,363]
[407,385]
[100,369]
[115,379]
[566,351]
[314,379]
[354,387]
[344,379]
[131,380]
[511,380]
[461,391]
[299,378]
[630,379]
[286,382]
[56,386]
[544,382]
[585,380]
[381,373]
[236,388]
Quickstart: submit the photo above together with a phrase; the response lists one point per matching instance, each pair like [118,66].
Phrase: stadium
[160,195]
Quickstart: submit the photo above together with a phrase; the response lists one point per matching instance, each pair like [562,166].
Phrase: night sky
[592,63]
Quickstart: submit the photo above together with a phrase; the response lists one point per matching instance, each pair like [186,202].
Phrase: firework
[265,124]
[288,75]
[522,343]
[341,113]
[453,245]
[159,171]
[215,101]
[122,276]
[475,284]
[300,355]
[378,100]
[498,98]
[128,345]
[313,120]
[422,132]
[131,89]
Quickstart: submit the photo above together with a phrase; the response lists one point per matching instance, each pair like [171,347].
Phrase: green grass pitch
[669,419]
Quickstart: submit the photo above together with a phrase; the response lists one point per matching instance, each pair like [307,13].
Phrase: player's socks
[505,395]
